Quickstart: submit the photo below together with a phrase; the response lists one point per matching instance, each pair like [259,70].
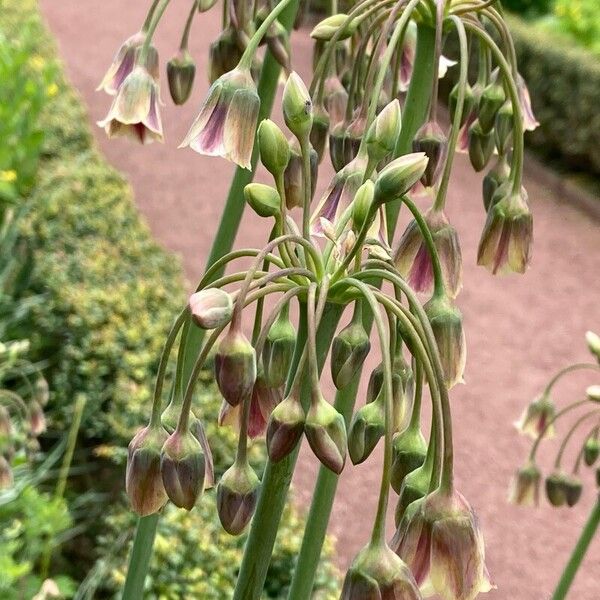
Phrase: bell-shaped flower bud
[496,177]
[336,99]
[181,71]
[525,486]
[529,121]
[339,145]
[397,178]
[481,146]
[591,449]
[348,352]
[293,180]
[235,367]
[135,110]
[446,322]
[431,140]
[408,453]
[224,54]
[143,480]
[555,488]
[593,393]
[211,308]
[383,132]
[263,199]
[492,98]
[37,419]
[237,494]
[264,400]
[297,106]
[468,102]
[6,474]
[414,487]
[366,429]
[226,123]
[278,350]
[326,433]
[182,467]
[593,343]
[507,236]
[413,261]
[328,27]
[361,205]
[537,418]
[573,489]
[122,64]
[319,131]
[376,574]
[503,128]
[274,148]
[285,427]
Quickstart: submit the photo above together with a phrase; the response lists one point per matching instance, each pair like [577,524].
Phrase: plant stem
[578,554]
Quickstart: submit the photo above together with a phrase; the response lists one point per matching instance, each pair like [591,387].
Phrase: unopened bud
[211,308]
[492,98]
[361,205]
[431,140]
[338,144]
[181,71]
[37,419]
[481,146]
[285,428]
[414,487]
[274,147]
[591,450]
[235,367]
[143,480]
[366,429]
[399,176]
[468,103]
[326,433]
[555,488]
[525,487]
[494,178]
[409,450]
[224,54]
[384,131]
[593,342]
[319,131]
[446,323]
[237,494]
[6,475]
[348,352]
[328,27]
[263,199]
[593,393]
[293,179]
[205,5]
[573,489]
[278,350]
[182,467]
[297,106]
[503,127]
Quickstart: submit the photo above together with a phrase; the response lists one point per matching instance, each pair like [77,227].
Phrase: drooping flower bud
[237,494]
[326,433]
[413,261]
[573,489]
[492,98]
[122,64]
[446,322]
[409,450]
[328,27]
[6,474]
[297,106]
[285,428]
[264,400]
[507,236]
[383,132]
[320,130]
[493,180]
[366,429]
[399,176]
[414,487]
[336,99]
[211,308]
[361,205]
[226,123]
[143,479]
[431,140]
[182,467]
[481,146]
[181,71]
[537,418]
[591,449]
[525,486]
[235,367]
[263,199]
[468,103]
[503,128]
[293,180]
[278,350]
[377,573]
[224,54]
[274,147]
[593,342]
[348,352]
[529,121]
[338,146]
[37,419]
[555,488]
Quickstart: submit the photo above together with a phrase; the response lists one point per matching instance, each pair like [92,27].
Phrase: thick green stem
[579,551]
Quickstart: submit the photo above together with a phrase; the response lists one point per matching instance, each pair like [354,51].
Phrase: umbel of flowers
[373,101]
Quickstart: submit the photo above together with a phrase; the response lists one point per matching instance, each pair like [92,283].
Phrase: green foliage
[529,8]
[579,20]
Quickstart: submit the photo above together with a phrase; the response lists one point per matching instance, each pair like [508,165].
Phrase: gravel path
[519,329]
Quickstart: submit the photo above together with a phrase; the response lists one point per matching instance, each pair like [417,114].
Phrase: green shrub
[530,8]
[579,20]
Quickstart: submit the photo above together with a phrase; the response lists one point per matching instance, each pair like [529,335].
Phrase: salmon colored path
[519,329]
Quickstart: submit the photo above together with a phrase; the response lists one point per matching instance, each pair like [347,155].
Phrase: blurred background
[101,241]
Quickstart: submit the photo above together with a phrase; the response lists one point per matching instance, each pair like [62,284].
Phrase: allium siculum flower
[440,540]
[6,475]
[525,486]
[211,308]
[285,427]
[412,257]
[529,121]
[593,343]
[336,98]
[181,71]
[237,494]
[37,419]
[505,244]
[122,64]
[226,124]
[135,110]
[537,418]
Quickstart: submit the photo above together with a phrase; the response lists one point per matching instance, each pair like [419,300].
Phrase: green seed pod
[468,104]
[361,205]
[326,433]
[181,71]
[348,352]
[591,450]
[503,127]
[573,490]
[285,428]
[235,367]
[431,140]
[409,450]
[278,350]
[263,199]
[492,181]
[414,486]
[182,467]
[492,98]
[481,146]
[366,429]
[237,494]
[319,131]
[274,147]
[210,308]
[556,489]
[297,106]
